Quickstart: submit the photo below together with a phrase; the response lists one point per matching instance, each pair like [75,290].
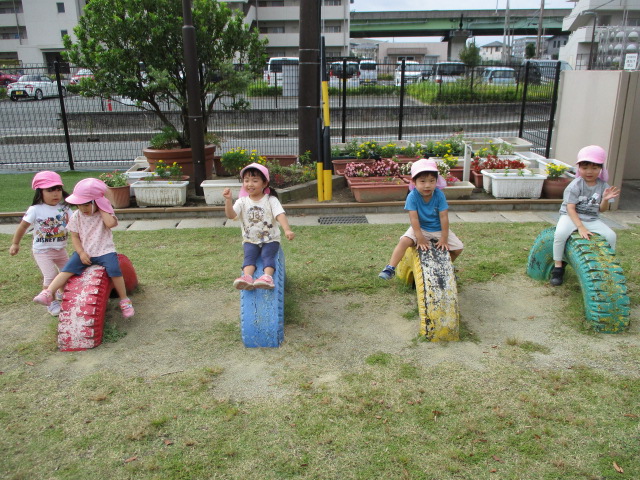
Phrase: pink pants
[51,262]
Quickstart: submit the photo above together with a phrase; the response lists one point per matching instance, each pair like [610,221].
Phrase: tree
[470,55]
[529,50]
[135,50]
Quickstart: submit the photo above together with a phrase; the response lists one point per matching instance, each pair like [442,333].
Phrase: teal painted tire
[603,284]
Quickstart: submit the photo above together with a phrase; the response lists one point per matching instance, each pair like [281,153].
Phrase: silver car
[33,86]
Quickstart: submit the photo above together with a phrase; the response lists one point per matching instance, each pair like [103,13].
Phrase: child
[584,198]
[428,215]
[257,208]
[49,215]
[92,239]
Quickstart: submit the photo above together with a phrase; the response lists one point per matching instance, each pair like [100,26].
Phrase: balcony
[278,13]
[282,39]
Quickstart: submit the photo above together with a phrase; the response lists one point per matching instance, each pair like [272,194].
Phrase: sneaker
[243,282]
[54,308]
[127,308]
[59,296]
[265,281]
[388,273]
[44,298]
[557,275]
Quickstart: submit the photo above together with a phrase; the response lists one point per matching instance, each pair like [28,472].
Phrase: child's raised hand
[226,193]
[611,192]
[289,234]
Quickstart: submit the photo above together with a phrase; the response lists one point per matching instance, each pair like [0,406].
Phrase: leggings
[266,251]
[566,227]
[50,262]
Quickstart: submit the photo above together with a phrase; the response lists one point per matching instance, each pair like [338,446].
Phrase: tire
[38,95]
[603,284]
[13,97]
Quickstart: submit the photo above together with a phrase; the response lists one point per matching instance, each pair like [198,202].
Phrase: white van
[447,72]
[499,76]
[412,73]
[273,73]
[368,72]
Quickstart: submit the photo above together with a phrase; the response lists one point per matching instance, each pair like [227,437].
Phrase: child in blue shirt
[428,215]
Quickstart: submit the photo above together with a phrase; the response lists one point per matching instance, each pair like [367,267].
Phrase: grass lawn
[386,416]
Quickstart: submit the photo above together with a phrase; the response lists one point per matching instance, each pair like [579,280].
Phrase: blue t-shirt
[428,212]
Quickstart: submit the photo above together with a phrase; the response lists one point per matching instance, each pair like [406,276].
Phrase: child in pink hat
[584,198]
[428,215]
[258,209]
[91,235]
[49,215]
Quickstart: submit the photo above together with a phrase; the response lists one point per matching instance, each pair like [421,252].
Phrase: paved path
[616,220]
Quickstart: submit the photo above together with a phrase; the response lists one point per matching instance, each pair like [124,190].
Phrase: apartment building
[31,31]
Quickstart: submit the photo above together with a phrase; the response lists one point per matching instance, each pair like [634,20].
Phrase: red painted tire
[128,273]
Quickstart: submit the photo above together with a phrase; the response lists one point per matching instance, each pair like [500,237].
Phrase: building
[602,33]
[492,52]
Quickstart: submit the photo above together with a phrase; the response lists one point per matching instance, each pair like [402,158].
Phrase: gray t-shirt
[586,198]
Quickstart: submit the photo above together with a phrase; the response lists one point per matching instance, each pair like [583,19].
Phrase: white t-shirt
[259,219]
[49,225]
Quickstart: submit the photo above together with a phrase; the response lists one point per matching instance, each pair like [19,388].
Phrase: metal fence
[397,102]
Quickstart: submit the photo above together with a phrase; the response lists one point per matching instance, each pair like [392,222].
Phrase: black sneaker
[556,276]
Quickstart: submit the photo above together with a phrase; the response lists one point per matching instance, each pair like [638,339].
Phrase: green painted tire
[603,284]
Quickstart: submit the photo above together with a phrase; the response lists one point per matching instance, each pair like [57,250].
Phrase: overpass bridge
[444,23]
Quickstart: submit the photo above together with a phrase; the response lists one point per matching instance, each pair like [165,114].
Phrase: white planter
[486,179]
[517,143]
[213,190]
[159,193]
[532,157]
[458,190]
[571,172]
[516,186]
[138,170]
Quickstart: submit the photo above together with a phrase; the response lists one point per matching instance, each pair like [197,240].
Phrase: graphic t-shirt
[259,219]
[586,198]
[49,225]
[428,212]
[95,236]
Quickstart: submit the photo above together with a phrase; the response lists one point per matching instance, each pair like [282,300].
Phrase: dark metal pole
[593,39]
[524,98]
[194,117]
[63,112]
[552,114]
[401,113]
[309,78]
[343,82]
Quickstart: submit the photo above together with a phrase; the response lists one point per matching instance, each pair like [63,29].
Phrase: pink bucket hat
[424,165]
[46,179]
[261,168]
[90,189]
[594,154]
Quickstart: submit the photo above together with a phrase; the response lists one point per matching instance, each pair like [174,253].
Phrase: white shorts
[453,241]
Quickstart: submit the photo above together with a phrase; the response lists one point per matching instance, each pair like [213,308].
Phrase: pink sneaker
[44,298]
[265,281]
[127,308]
[243,282]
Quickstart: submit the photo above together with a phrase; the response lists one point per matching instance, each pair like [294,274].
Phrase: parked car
[448,72]
[499,76]
[368,72]
[7,78]
[336,70]
[82,73]
[33,86]
[412,73]
[273,74]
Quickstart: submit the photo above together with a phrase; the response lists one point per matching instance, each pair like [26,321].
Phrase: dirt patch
[332,335]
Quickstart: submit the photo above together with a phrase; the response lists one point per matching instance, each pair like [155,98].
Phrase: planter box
[542,165]
[458,191]
[282,160]
[515,186]
[378,192]
[340,164]
[518,144]
[213,190]
[486,179]
[161,193]
[377,180]
[532,157]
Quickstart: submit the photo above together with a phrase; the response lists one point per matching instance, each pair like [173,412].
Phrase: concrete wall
[602,108]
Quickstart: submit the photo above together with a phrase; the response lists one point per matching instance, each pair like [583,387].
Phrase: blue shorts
[266,251]
[108,261]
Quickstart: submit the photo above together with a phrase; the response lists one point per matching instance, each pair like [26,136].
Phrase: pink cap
[424,165]
[90,189]
[261,168]
[593,154]
[46,179]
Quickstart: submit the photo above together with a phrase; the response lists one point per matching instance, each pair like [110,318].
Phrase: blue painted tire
[262,311]
[604,286]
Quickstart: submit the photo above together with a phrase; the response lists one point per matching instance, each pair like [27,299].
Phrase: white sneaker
[54,308]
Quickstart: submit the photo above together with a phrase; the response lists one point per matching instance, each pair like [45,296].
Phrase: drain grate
[342,220]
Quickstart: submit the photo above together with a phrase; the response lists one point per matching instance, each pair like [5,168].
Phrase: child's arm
[228,204]
[77,246]
[573,215]
[421,241]
[608,194]
[110,221]
[17,237]
[282,220]
[443,243]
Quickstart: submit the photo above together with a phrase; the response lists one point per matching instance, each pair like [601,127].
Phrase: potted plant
[150,72]
[366,152]
[118,189]
[556,181]
[165,172]
[234,160]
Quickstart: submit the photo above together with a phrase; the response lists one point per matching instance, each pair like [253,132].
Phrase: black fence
[415,102]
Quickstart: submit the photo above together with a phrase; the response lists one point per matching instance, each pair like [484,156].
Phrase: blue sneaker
[388,273]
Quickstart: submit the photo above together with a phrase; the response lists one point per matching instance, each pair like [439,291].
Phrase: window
[332,3]
[60,6]
[63,33]
[271,29]
[274,3]
[332,29]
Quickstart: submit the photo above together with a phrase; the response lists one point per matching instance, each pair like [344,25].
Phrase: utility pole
[506,49]
[539,42]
